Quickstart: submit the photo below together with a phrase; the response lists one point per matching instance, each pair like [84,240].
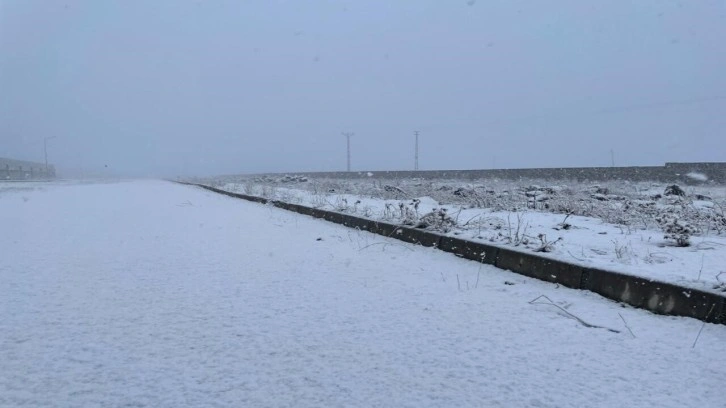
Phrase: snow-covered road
[152,294]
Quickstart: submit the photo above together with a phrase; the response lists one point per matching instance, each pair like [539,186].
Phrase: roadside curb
[657,297]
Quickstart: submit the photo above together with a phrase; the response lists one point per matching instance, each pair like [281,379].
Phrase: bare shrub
[675,229]
[438,220]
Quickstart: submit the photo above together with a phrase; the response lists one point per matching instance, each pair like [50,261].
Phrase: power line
[628,108]
[615,109]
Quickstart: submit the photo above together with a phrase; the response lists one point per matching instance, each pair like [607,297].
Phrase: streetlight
[347,136]
[415,165]
[45,147]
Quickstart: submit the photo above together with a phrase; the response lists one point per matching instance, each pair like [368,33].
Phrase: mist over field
[562,243]
[184,88]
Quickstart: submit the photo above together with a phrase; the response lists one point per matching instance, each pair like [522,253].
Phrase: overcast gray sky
[207,87]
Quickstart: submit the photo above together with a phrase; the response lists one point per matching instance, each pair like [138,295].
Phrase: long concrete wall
[658,297]
[669,173]
[24,170]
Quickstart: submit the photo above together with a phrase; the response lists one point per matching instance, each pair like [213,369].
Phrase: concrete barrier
[658,297]
[668,173]
[474,251]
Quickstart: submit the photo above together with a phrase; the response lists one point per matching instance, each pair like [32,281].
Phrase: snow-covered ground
[620,234]
[153,294]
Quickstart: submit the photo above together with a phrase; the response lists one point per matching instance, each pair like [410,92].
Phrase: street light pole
[45,147]
[347,136]
[415,165]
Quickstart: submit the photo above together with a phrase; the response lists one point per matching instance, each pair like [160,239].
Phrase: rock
[674,190]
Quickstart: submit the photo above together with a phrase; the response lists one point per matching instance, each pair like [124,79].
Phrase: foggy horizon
[192,88]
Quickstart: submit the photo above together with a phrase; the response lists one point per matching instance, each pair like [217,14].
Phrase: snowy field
[152,294]
[617,226]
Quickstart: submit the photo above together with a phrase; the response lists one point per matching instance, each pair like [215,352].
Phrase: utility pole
[415,164]
[347,136]
[45,148]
